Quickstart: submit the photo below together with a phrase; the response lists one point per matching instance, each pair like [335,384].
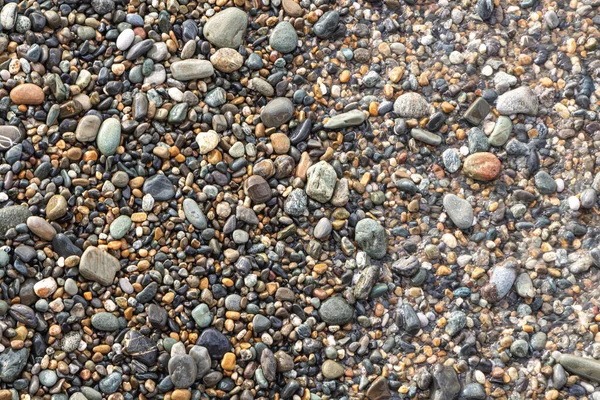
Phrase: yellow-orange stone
[228,362]
[28,94]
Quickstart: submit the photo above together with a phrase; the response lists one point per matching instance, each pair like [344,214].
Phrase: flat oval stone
[28,94]
[139,49]
[87,128]
[109,136]
[186,70]
[125,39]
[350,118]
[258,189]
[9,136]
[41,228]
[194,214]
[482,166]
[277,112]
[105,321]
[120,226]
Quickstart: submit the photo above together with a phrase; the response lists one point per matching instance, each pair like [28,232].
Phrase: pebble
[347,119]
[277,112]
[226,28]
[99,266]
[336,311]
[284,38]
[321,182]
[186,70]
[227,60]
[518,101]
[109,136]
[411,105]
[371,237]
[482,166]
[459,211]
[28,94]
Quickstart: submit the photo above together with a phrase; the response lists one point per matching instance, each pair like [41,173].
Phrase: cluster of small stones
[308,200]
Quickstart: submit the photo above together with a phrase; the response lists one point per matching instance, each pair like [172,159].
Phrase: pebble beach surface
[307,200]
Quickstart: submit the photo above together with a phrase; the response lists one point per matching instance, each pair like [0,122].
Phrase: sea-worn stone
[12,216]
[477,112]
[159,187]
[186,70]
[521,100]
[105,321]
[584,367]
[336,311]
[226,28]
[182,370]
[482,166]
[9,136]
[109,136]
[446,385]
[120,226]
[459,211]
[277,112]
[87,128]
[227,60]
[284,38]
[98,266]
[321,182]
[371,237]
[12,363]
[258,189]
[502,278]
[28,94]
[501,132]
[194,214]
[41,228]
[344,120]
[411,105]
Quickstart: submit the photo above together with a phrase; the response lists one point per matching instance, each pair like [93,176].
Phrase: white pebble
[560,185]
[574,203]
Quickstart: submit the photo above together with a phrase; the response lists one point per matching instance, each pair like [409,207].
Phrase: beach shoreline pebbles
[299,200]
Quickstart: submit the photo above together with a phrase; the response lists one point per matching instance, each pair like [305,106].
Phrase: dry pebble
[299,200]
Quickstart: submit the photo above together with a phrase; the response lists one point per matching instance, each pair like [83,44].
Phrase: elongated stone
[584,367]
[350,118]
[186,70]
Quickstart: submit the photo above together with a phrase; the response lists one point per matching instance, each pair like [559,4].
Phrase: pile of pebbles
[299,200]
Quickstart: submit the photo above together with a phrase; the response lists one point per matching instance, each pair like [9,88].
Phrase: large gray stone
[227,28]
[411,105]
[192,69]
[459,211]
[277,112]
[12,216]
[336,311]
[321,182]
[521,100]
[99,266]
[284,38]
[371,237]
